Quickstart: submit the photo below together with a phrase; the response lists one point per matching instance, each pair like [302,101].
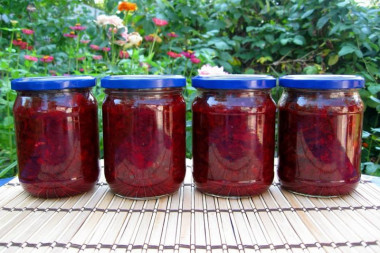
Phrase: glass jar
[144,134]
[56,125]
[320,127]
[233,134]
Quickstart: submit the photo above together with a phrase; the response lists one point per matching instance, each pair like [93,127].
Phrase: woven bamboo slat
[189,221]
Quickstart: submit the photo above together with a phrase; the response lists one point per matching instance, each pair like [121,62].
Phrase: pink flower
[30,58]
[173,54]
[120,42]
[27,31]
[149,37]
[23,45]
[195,60]
[123,54]
[47,59]
[207,70]
[85,41]
[70,35]
[97,57]
[172,34]
[81,70]
[81,58]
[112,30]
[77,27]
[160,22]
[30,48]
[188,54]
[95,47]
[106,49]
[17,42]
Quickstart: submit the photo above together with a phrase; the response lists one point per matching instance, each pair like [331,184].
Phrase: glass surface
[320,141]
[233,141]
[144,141]
[57,141]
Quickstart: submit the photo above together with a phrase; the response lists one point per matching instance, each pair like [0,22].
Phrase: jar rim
[52,83]
[143,81]
[234,82]
[322,82]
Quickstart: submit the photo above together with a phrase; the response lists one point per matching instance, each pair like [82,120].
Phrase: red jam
[233,141]
[144,141]
[320,141]
[57,141]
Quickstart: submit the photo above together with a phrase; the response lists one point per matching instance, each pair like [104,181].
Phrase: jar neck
[234,93]
[144,92]
[32,93]
[324,92]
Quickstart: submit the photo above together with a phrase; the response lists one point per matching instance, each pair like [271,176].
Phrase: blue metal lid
[323,82]
[234,82]
[53,83]
[143,81]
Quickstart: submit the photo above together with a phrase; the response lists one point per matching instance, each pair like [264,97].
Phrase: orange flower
[127,6]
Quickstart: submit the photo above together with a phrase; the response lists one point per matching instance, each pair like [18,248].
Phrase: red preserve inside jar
[144,139]
[320,140]
[57,141]
[233,139]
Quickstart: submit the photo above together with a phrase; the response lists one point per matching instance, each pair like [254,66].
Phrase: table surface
[188,221]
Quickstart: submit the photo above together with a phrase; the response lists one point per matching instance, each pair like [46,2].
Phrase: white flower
[113,20]
[208,70]
[135,39]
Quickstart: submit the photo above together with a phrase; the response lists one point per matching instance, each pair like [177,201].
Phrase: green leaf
[365,134]
[333,59]
[8,168]
[308,13]
[347,49]
[322,21]
[374,89]
[299,40]
[372,168]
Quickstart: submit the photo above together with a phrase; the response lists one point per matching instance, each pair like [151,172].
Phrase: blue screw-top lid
[234,82]
[53,83]
[143,81]
[323,82]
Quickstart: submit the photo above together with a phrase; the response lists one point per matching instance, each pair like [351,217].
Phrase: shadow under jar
[233,134]
[144,134]
[320,126]
[56,125]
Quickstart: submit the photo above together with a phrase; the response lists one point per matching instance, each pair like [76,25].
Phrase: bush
[273,37]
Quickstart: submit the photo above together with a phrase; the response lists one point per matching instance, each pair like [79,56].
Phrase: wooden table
[188,221]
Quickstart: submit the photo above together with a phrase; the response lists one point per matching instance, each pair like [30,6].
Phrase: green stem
[77,50]
[184,72]
[150,56]
[112,48]
[370,142]
[10,130]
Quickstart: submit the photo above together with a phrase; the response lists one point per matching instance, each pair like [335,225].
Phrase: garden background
[45,37]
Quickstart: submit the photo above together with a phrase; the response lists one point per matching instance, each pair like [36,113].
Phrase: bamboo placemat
[188,221]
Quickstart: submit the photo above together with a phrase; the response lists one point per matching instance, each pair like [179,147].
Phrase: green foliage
[243,36]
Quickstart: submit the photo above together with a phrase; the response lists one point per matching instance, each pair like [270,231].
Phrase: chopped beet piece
[233,141]
[57,141]
[144,141]
[320,141]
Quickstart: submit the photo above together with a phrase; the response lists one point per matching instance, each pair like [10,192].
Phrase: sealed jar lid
[143,81]
[323,82]
[53,83]
[234,82]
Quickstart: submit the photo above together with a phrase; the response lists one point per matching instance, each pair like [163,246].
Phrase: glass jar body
[233,141]
[144,141]
[320,141]
[57,141]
